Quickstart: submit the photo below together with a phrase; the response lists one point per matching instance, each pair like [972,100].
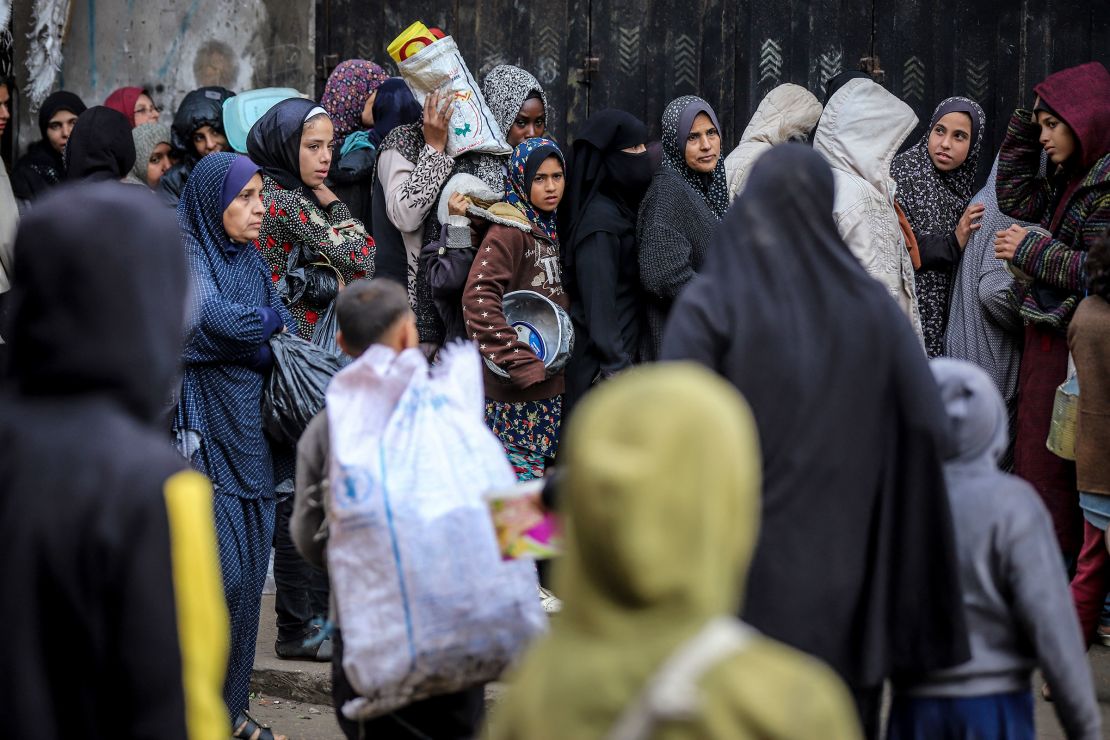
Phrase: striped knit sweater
[1058,262]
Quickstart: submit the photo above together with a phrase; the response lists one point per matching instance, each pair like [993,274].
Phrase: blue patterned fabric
[219,418]
[525,160]
[244,531]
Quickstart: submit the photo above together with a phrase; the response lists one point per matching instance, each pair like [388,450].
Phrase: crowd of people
[807,402]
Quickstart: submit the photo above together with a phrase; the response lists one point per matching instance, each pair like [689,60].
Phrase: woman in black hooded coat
[856,561]
[609,172]
[42,167]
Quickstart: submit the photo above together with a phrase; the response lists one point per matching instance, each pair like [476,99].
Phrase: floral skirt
[529,431]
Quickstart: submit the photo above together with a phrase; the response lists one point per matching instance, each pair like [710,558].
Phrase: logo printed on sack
[357,486]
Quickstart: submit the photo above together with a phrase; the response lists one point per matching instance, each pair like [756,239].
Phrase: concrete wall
[172,47]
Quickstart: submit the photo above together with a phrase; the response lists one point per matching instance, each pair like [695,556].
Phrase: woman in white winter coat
[787,113]
[860,131]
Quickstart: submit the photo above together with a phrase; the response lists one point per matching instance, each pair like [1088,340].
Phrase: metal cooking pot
[540,323]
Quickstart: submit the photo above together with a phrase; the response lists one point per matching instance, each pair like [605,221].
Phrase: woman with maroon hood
[1070,121]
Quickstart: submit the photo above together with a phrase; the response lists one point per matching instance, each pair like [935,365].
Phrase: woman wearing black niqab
[609,172]
[855,562]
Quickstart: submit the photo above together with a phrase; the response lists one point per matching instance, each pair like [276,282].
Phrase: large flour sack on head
[426,603]
[441,67]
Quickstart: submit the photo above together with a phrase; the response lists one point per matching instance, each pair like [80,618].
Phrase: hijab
[349,86]
[63,100]
[598,166]
[274,141]
[124,100]
[200,211]
[147,137]
[870,504]
[395,106]
[934,200]
[101,147]
[117,330]
[678,118]
[661,512]
[1080,97]
[523,165]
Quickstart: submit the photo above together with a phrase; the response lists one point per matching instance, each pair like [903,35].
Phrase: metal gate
[594,54]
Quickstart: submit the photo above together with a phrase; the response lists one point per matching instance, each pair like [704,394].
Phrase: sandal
[248,728]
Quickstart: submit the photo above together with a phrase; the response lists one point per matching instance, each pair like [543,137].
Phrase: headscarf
[101,147]
[678,118]
[201,215]
[117,331]
[123,100]
[147,136]
[661,511]
[56,102]
[523,165]
[241,171]
[349,86]
[597,165]
[934,200]
[868,505]
[977,417]
[274,141]
[395,106]
[1080,97]
[505,89]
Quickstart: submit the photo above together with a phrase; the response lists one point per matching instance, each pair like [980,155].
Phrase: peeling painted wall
[172,47]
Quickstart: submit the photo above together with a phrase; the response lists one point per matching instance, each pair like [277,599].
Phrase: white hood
[861,130]
[786,112]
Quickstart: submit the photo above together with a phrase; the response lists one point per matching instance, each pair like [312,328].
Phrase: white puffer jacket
[787,112]
[859,133]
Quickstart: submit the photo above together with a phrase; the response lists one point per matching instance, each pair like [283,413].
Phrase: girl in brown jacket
[523,402]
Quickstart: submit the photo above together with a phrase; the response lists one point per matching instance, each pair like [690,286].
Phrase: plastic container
[412,40]
[243,110]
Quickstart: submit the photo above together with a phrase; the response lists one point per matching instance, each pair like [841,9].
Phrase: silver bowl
[541,324]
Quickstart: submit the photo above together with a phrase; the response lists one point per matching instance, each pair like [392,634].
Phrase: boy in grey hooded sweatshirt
[1015,591]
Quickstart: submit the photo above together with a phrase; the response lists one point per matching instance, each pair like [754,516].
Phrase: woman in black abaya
[855,562]
[609,172]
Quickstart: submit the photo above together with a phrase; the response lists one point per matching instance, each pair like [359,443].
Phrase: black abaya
[855,562]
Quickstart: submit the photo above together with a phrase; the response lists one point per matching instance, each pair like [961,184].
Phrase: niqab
[856,523]
[598,166]
[677,121]
[100,147]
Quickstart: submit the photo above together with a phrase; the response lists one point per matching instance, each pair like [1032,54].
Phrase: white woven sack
[426,604]
[440,66]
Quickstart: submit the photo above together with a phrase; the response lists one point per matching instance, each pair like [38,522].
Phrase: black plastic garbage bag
[295,391]
[323,335]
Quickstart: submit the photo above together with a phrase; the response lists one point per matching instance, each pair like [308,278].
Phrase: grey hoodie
[1017,604]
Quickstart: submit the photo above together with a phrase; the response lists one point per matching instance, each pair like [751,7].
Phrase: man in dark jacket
[198,129]
[114,613]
